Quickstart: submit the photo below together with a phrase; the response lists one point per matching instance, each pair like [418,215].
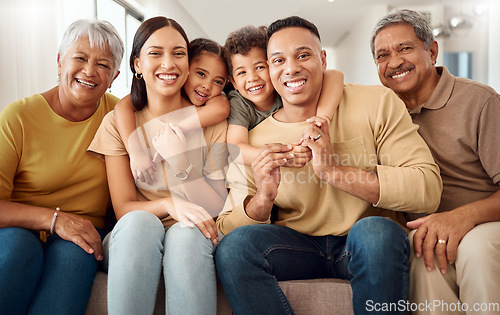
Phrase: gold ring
[442,241]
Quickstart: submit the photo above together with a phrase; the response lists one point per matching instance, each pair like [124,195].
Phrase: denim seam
[303,249]
[282,297]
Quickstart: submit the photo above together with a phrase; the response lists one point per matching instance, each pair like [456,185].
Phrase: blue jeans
[137,249]
[51,278]
[373,256]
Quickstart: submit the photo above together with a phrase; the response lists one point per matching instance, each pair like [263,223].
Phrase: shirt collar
[442,92]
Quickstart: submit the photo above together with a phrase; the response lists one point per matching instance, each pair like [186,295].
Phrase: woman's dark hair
[292,21]
[241,41]
[138,93]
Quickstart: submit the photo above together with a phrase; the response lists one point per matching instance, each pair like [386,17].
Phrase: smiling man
[458,119]
[339,215]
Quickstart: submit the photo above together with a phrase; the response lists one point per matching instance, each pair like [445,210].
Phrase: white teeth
[256,88]
[86,83]
[201,94]
[167,77]
[397,76]
[295,84]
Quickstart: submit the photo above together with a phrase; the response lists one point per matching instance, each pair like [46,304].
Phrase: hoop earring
[138,75]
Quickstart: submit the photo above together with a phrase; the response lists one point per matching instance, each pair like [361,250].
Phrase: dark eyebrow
[303,47]
[274,54]
[160,47]
[407,43]
[236,69]
[297,49]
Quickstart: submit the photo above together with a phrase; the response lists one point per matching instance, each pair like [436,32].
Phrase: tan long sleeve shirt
[371,130]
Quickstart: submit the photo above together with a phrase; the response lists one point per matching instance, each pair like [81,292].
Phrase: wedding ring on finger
[317,137]
[442,241]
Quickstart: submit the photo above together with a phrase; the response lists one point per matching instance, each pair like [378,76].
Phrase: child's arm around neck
[215,111]
[331,93]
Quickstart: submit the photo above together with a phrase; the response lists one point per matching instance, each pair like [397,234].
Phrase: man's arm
[452,226]
[354,181]
[398,158]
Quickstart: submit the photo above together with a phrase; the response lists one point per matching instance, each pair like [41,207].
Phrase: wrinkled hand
[170,143]
[191,214]
[82,232]
[142,166]
[322,157]
[301,155]
[449,226]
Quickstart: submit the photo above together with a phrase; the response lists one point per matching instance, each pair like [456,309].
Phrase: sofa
[319,296]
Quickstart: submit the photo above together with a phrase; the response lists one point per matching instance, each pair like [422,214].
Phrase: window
[126,20]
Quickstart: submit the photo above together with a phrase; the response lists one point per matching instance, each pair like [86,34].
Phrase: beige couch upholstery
[320,296]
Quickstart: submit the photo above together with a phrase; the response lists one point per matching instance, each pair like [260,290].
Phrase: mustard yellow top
[44,160]
[371,130]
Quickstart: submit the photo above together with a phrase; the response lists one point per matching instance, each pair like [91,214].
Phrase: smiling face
[85,73]
[207,77]
[251,78]
[163,62]
[403,63]
[296,65]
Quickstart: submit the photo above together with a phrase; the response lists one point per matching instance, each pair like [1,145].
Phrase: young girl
[255,98]
[207,78]
[189,191]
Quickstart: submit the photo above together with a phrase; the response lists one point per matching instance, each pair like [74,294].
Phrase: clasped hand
[266,167]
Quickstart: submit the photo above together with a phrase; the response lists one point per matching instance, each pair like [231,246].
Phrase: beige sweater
[370,130]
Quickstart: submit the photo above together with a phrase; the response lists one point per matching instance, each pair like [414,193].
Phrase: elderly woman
[53,194]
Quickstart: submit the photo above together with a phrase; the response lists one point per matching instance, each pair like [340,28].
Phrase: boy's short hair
[243,40]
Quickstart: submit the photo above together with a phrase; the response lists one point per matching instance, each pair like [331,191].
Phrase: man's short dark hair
[292,21]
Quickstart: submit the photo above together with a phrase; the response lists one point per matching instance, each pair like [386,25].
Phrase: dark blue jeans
[373,256]
[53,278]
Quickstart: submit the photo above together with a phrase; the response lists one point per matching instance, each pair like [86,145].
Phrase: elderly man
[458,119]
[340,215]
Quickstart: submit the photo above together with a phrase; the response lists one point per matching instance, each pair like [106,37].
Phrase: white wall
[353,57]
[172,9]
[30,33]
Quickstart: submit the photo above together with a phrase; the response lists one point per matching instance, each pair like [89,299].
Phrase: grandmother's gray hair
[101,34]
[420,25]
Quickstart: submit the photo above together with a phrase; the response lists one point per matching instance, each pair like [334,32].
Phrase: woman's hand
[82,232]
[170,143]
[191,214]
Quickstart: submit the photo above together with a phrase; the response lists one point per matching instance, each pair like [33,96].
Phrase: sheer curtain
[30,33]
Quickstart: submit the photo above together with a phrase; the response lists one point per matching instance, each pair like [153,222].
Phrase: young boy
[254,97]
